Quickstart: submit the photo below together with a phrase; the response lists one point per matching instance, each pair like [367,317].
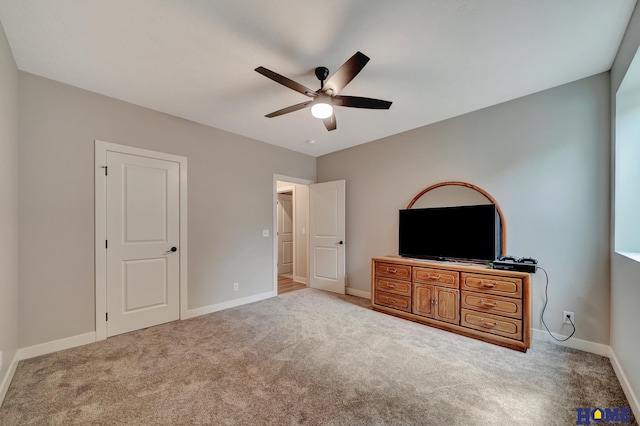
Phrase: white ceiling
[195,59]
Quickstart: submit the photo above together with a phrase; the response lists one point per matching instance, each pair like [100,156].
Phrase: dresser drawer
[395,301]
[506,327]
[436,277]
[493,304]
[391,270]
[492,284]
[394,286]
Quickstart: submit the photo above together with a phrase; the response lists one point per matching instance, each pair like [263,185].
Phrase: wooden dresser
[475,301]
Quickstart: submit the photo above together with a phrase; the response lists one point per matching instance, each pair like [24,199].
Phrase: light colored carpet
[306,357]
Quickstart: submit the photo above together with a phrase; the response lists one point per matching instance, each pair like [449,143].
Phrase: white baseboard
[626,386]
[43,349]
[581,345]
[56,345]
[359,293]
[84,339]
[4,385]
[191,313]
[302,280]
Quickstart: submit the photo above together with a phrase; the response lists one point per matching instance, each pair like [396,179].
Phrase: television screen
[464,232]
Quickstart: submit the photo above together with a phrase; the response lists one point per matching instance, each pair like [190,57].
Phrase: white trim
[288,188]
[100,199]
[184,247]
[294,224]
[626,386]
[274,224]
[302,280]
[56,345]
[358,293]
[43,349]
[631,255]
[6,382]
[581,345]
[226,305]
[100,187]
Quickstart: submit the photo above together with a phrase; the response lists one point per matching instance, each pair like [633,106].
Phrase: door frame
[100,187]
[274,237]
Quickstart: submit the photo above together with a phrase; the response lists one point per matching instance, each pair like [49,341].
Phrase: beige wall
[625,284]
[230,182]
[8,206]
[544,157]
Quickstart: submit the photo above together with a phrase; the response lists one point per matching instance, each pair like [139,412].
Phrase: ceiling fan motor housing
[322,73]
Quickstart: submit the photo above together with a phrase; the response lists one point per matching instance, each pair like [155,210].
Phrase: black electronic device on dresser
[451,233]
[512,263]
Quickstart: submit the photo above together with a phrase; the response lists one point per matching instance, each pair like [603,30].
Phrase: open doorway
[291,228]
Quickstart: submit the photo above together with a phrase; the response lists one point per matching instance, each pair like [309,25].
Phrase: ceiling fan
[323,100]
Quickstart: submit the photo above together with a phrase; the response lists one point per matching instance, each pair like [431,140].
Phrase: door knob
[340,242]
[171,250]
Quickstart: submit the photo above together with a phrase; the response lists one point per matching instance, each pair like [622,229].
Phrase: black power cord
[546,299]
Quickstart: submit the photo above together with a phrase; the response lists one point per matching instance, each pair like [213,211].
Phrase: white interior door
[327,236]
[285,234]
[143,235]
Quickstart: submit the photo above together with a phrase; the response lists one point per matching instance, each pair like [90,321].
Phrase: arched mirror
[454,193]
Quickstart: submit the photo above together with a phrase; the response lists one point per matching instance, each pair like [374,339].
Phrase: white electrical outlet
[265,232]
[235,286]
[566,314]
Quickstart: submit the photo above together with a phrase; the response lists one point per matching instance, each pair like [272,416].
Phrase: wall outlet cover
[565,320]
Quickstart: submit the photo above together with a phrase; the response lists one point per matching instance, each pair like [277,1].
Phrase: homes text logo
[587,416]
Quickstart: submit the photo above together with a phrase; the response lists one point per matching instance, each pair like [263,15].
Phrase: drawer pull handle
[434,276]
[434,301]
[392,270]
[489,284]
[486,324]
[492,305]
[389,285]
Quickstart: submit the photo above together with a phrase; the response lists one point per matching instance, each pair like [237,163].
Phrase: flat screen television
[456,233]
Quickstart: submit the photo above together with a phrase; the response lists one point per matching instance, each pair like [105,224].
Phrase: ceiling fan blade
[289,109]
[330,122]
[286,82]
[345,74]
[360,102]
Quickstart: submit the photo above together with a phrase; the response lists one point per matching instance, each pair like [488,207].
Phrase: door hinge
[106,316]
[105,169]
[106,244]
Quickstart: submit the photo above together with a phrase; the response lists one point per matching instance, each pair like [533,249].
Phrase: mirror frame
[503,226]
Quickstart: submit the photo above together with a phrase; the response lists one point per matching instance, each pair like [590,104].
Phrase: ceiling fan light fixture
[322,110]
[322,100]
